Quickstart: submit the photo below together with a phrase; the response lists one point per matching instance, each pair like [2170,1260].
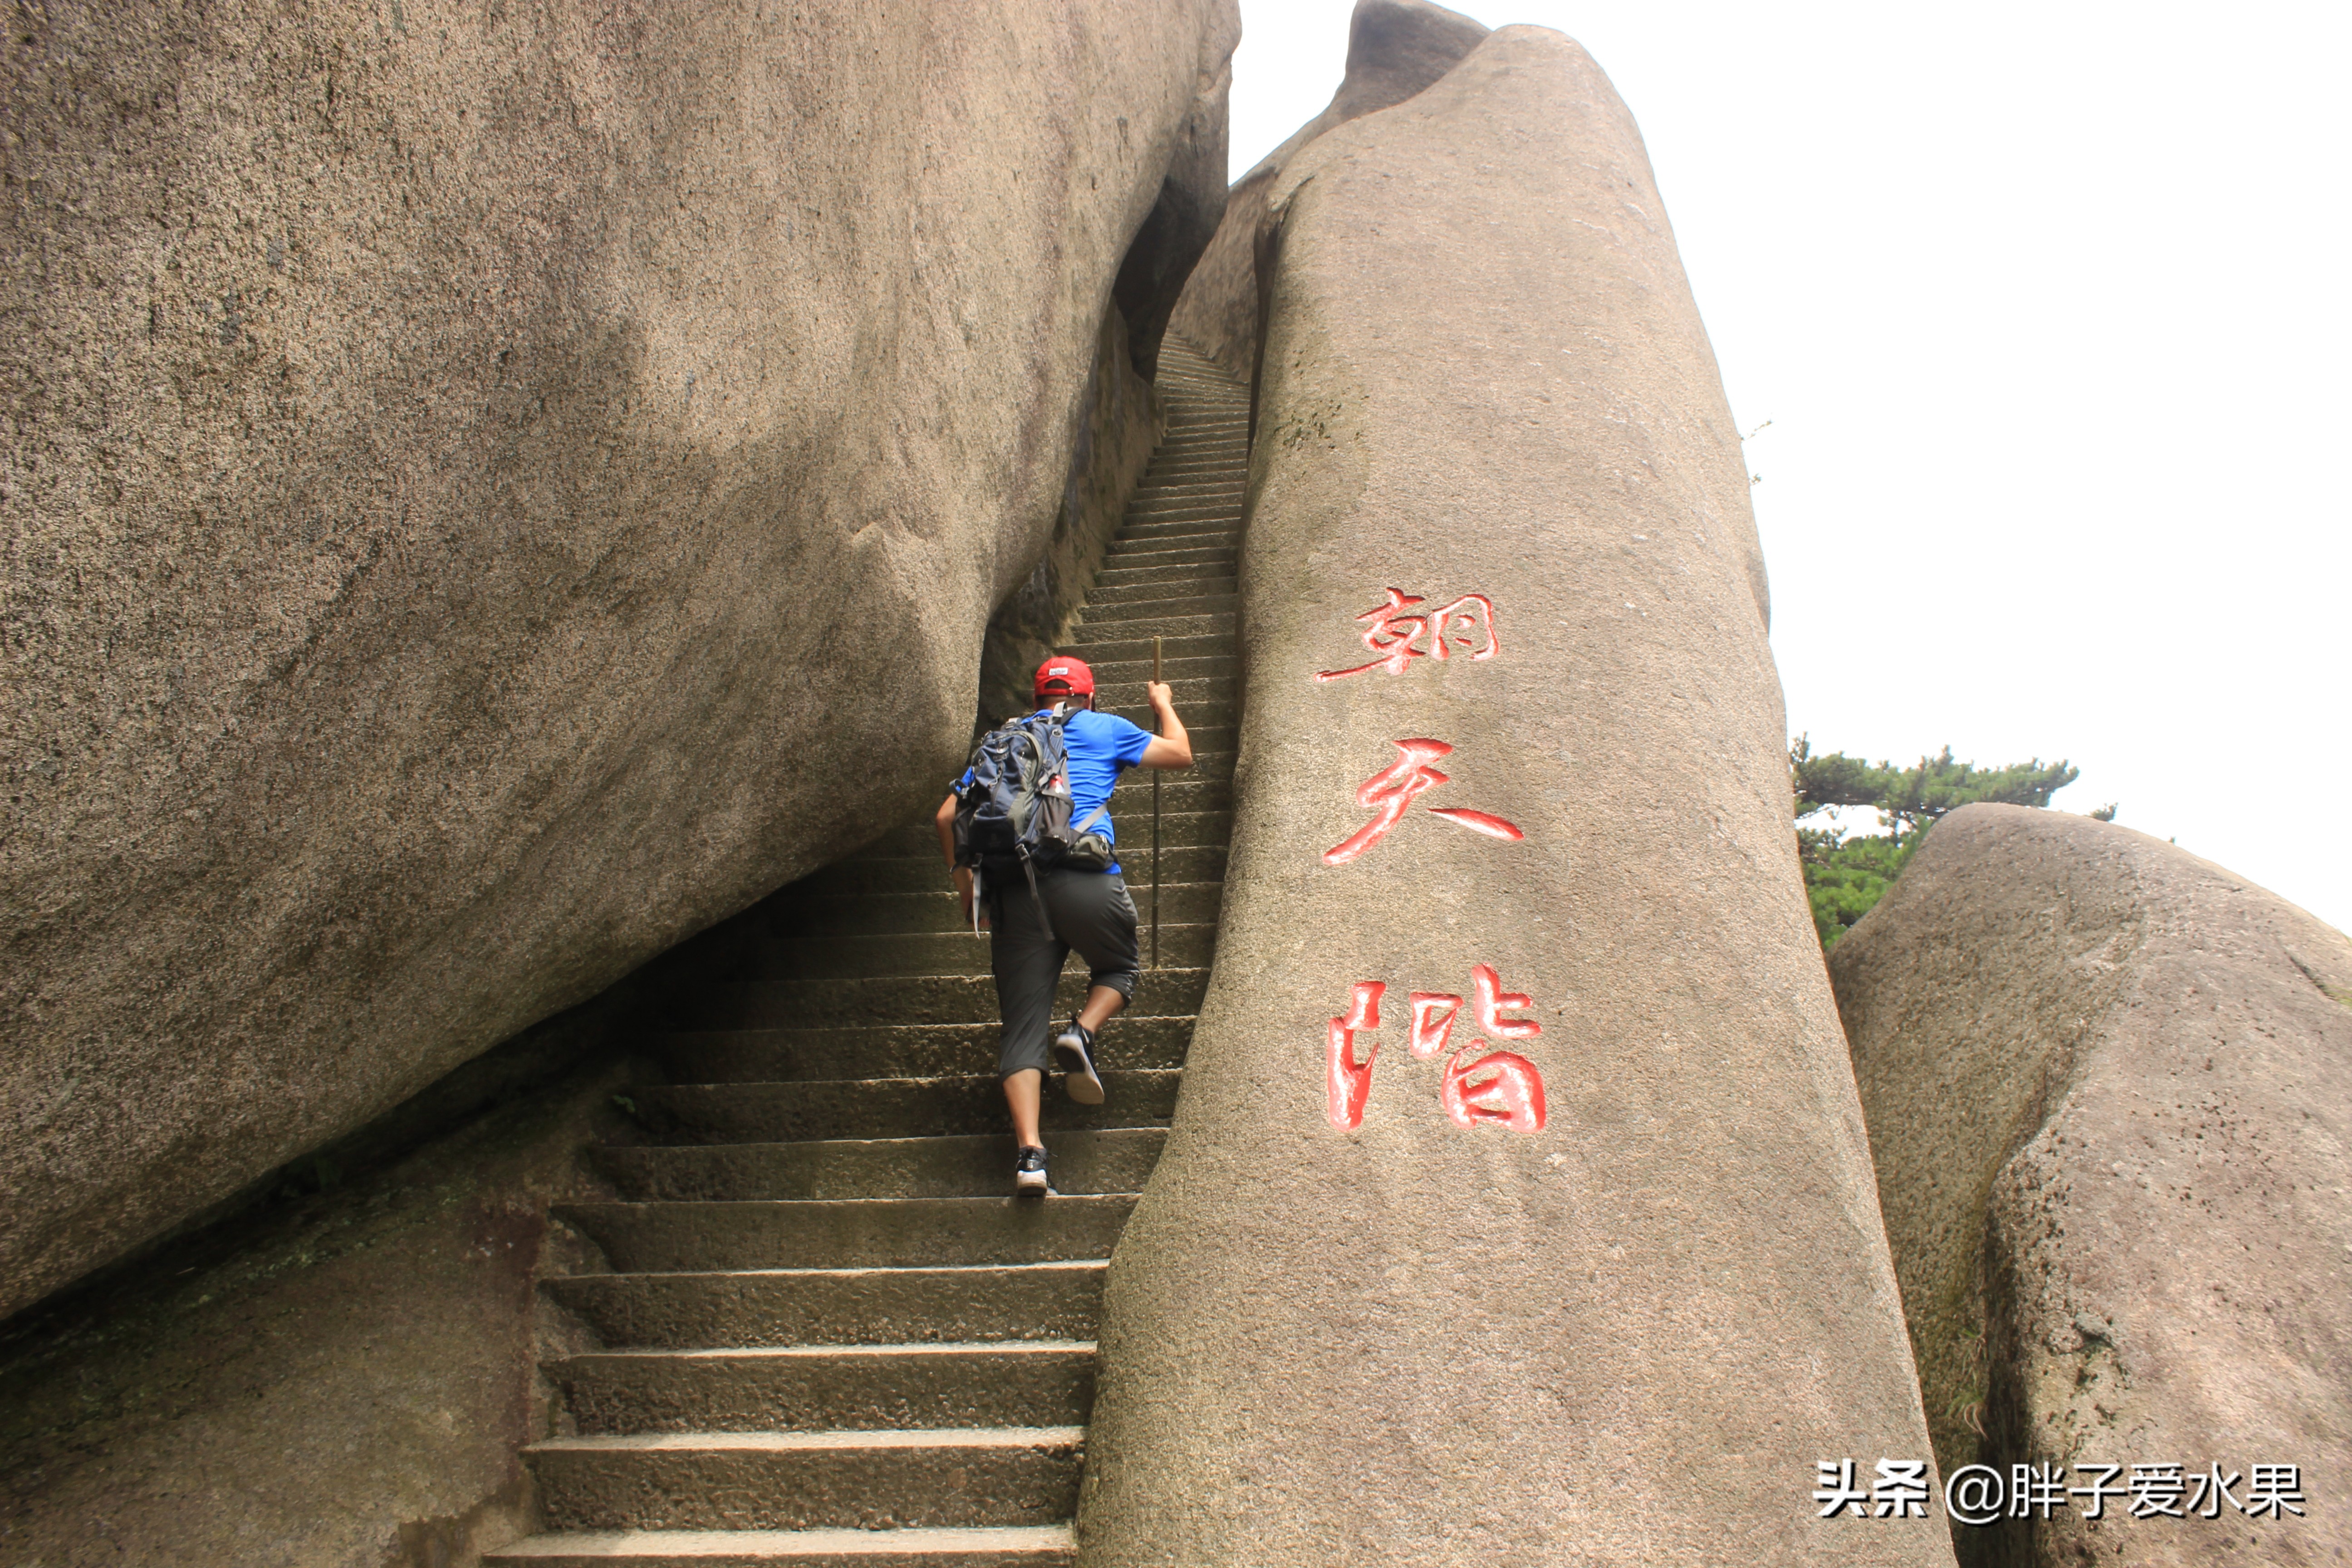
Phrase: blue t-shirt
[1100,747]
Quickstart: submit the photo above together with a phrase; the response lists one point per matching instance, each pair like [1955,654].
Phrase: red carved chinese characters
[1480,1086]
[1502,1090]
[1464,627]
[1430,1030]
[1493,999]
[1350,1085]
[1389,794]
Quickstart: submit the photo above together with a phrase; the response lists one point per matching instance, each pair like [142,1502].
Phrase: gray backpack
[1016,810]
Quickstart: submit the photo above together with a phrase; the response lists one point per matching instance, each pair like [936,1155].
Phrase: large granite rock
[1395,48]
[1470,1292]
[341,1377]
[2106,1083]
[492,491]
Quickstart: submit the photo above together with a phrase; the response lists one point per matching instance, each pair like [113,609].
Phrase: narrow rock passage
[829,1333]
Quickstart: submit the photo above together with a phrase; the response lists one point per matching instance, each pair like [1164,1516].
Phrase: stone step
[1148,521]
[1189,490]
[1114,576]
[937,909]
[807,1480]
[969,1104]
[1203,712]
[901,1050]
[1130,644]
[1031,1546]
[1135,671]
[1090,637]
[1193,525]
[1145,555]
[1183,533]
[907,1233]
[1199,585]
[920,953]
[1104,619]
[1223,468]
[976,1165]
[1229,458]
[901,999]
[828,1388]
[1027,1302]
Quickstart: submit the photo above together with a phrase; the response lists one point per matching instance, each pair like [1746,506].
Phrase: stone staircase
[828,1333]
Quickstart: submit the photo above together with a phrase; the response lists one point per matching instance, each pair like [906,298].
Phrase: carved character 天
[1389,794]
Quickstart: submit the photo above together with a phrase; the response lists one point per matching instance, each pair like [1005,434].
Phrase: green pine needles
[1844,875]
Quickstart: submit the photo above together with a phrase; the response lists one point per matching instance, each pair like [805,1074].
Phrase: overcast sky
[2046,305]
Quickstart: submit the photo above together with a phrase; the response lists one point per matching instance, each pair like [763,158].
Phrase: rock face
[1518,1196]
[342,1379]
[478,484]
[1395,48]
[2105,1087]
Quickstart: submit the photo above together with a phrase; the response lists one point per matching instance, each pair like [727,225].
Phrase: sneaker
[1029,1173]
[1073,1053]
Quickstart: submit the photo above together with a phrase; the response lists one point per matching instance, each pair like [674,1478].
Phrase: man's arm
[946,821]
[961,874]
[1172,748]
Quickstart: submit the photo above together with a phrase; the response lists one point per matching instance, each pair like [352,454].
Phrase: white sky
[2046,305]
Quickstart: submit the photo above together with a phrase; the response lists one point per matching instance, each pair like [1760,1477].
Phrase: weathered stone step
[1189,532]
[1153,517]
[836,1108]
[1210,533]
[1221,458]
[879,913]
[1199,585]
[977,1165]
[1127,644]
[909,1232]
[828,1388]
[1089,642]
[1213,704]
[901,1050]
[1105,619]
[1148,519]
[1055,1300]
[1113,576]
[1030,1546]
[1218,711]
[1190,487]
[1146,555]
[1204,843]
[807,1480]
[1135,671]
[903,999]
[920,953]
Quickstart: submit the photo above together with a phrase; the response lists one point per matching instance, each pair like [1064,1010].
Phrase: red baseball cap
[1065,675]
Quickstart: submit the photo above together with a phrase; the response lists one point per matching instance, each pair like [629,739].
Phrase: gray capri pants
[1089,911]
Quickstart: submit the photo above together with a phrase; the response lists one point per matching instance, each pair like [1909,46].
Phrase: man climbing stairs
[829,1333]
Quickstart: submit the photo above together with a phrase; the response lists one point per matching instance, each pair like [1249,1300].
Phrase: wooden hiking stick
[1155,820]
